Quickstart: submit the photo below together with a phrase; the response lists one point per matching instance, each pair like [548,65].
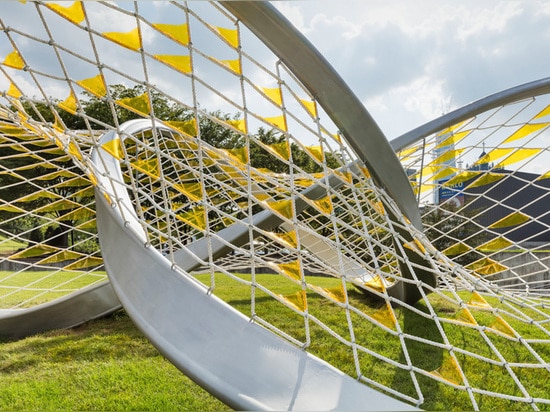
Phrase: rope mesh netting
[230,138]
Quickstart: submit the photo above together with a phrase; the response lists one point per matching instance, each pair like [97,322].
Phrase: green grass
[108,365]
[35,287]
[103,365]
[8,246]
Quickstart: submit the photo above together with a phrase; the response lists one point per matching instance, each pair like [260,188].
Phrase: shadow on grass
[422,355]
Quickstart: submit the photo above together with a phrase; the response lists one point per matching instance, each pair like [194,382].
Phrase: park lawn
[108,365]
[32,287]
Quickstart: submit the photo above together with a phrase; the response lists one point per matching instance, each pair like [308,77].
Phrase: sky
[411,61]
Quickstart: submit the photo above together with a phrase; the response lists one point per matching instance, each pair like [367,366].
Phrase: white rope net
[233,134]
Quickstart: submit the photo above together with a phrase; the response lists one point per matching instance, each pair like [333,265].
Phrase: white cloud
[408,59]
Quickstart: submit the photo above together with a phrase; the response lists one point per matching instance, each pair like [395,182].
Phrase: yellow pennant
[316,152]
[274,95]
[139,104]
[518,156]
[195,217]
[281,149]
[84,263]
[337,294]
[297,300]
[486,267]
[131,40]
[69,104]
[478,301]
[233,65]
[498,244]
[525,130]
[180,63]
[503,327]
[278,121]
[385,316]
[486,179]
[231,36]
[177,32]
[114,148]
[14,60]
[457,249]
[73,13]
[283,207]
[449,370]
[188,127]
[148,166]
[514,219]
[192,190]
[95,85]
[239,124]
[13,91]
[287,238]
[291,269]
[311,107]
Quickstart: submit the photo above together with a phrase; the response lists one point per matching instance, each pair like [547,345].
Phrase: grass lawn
[103,365]
[108,365]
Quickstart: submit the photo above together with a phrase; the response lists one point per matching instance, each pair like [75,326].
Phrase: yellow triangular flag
[131,40]
[14,60]
[281,149]
[239,124]
[230,35]
[139,104]
[297,300]
[277,121]
[498,244]
[512,219]
[114,148]
[233,65]
[465,316]
[192,190]
[180,63]
[478,301]
[13,91]
[524,131]
[94,85]
[324,205]
[288,238]
[311,107]
[69,104]
[177,32]
[450,371]
[385,316]
[337,294]
[188,127]
[486,267]
[283,207]
[316,152]
[73,13]
[274,95]
[502,326]
[291,269]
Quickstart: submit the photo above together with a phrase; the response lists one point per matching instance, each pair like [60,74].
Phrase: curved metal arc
[333,94]
[514,94]
[242,363]
[348,114]
[72,310]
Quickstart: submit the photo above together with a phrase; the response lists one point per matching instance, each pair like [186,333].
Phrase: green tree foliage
[101,113]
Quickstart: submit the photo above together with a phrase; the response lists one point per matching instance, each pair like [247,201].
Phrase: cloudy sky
[410,61]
